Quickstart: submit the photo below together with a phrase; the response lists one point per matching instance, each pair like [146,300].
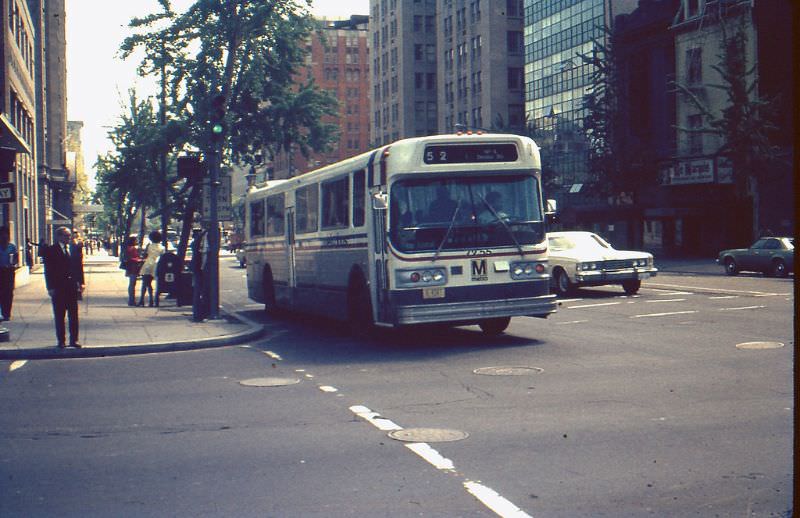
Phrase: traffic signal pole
[212,262]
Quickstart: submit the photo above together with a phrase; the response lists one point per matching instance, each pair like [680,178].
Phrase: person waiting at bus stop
[133,262]
[148,270]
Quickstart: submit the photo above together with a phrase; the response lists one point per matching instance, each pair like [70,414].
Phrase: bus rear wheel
[494,326]
[359,308]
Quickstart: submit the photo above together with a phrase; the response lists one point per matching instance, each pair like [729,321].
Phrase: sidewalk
[695,266]
[108,326]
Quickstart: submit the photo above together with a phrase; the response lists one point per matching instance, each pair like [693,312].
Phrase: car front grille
[617,264]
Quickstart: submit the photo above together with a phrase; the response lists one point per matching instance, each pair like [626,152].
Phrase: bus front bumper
[475,311]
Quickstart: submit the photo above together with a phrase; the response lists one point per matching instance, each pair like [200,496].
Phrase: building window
[695,123]
[418,52]
[694,65]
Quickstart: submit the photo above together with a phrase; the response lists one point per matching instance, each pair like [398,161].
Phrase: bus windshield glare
[456,213]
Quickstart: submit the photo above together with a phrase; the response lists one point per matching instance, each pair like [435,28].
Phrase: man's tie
[66,250]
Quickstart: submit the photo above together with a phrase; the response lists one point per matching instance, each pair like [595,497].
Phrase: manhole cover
[759,345]
[428,435]
[508,371]
[269,382]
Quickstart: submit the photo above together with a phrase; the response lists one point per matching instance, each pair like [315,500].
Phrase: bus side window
[307,208]
[334,203]
[275,211]
[257,218]
[359,195]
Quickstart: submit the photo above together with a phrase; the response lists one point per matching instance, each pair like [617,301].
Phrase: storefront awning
[10,137]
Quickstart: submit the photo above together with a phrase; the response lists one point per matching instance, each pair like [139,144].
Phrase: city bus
[446,229]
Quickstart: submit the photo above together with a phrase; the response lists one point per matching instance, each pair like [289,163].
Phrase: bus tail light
[527,270]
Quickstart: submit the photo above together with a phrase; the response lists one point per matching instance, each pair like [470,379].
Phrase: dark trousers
[6,291]
[66,304]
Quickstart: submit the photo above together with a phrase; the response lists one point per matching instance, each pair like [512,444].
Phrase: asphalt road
[614,406]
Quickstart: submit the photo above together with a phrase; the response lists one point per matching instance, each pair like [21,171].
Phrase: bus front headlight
[420,278]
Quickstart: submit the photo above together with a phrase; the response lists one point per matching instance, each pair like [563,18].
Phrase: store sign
[8,194]
[685,172]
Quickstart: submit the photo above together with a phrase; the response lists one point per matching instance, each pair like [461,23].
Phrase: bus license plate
[432,293]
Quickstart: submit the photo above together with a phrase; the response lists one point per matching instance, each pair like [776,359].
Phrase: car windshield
[435,214]
[587,241]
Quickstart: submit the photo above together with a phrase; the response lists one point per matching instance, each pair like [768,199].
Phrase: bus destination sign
[470,153]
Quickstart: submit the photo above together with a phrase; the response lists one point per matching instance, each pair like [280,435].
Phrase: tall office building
[442,65]
[403,76]
[480,44]
[557,32]
[339,63]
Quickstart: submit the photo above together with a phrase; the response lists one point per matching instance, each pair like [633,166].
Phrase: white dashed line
[724,297]
[571,322]
[493,501]
[667,300]
[743,307]
[663,314]
[594,305]
[487,496]
[328,388]
[432,456]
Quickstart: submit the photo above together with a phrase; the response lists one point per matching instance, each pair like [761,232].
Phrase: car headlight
[527,270]
[420,278]
[587,266]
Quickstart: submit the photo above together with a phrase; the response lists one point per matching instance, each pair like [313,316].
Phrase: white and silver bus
[440,229]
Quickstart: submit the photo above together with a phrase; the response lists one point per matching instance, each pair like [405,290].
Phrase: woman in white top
[148,271]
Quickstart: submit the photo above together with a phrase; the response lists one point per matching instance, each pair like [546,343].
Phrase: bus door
[290,258]
[378,247]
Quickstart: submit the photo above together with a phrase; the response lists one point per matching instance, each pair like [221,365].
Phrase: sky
[98,80]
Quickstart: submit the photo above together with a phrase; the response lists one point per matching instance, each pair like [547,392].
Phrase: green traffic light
[216,129]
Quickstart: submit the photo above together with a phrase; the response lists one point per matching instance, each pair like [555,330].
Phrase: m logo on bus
[479,270]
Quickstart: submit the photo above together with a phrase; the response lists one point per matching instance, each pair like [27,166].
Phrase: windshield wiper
[505,225]
[447,234]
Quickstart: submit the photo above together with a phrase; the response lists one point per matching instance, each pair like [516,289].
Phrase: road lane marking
[571,322]
[724,297]
[274,356]
[668,300]
[494,501]
[694,289]
[432,456]
[594,305]
[743,307]
[663,314]
[16,365]
[485,495]
[328,388]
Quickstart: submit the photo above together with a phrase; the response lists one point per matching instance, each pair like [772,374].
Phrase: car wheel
[778,268]
[494,326]
[730,266]
[631,287]
[563,286]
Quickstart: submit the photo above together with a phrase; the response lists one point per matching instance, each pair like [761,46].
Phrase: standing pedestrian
[63,275]
[9,258]
[148,271]
[133,262]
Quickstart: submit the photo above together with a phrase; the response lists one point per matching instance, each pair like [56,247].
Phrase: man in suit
[63,274]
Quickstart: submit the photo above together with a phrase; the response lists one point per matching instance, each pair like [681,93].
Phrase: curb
[45,353]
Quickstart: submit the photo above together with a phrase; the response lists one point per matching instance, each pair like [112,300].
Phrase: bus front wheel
[494,326]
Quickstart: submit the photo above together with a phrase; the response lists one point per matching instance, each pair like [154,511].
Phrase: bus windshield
[456,213]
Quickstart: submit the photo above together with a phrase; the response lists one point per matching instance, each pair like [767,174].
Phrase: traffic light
[190,167]
[217,117]
[8,159]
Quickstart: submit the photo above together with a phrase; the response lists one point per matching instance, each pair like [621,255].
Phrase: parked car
[586,259]
[241,257]
[771,255]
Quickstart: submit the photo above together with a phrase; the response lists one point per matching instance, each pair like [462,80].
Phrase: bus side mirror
[550,211]
[380,201]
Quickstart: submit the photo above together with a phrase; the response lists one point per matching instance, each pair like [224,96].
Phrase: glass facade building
[556,33]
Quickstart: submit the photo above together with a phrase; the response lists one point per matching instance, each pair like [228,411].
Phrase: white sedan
[586,259]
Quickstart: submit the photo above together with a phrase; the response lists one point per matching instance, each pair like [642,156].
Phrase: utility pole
[212,263]
[162,116]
